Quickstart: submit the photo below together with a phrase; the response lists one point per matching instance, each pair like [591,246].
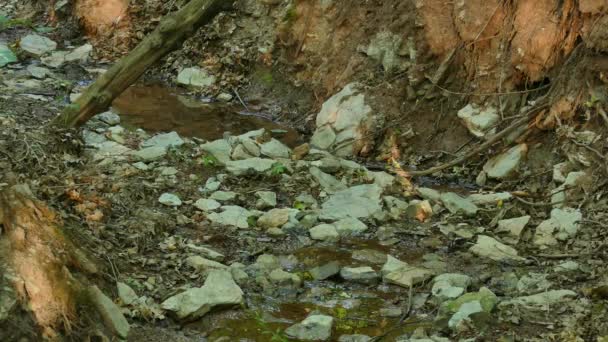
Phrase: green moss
[291,15]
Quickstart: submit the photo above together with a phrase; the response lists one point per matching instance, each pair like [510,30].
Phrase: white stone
[232,216]
[562,225]
[170,200]
[506,164]
[37,45]
[195,76]
[490,248]
[206,204]
[479,121]
[324,232]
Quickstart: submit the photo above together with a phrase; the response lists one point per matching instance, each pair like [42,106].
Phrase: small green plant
[6,23]
[275,335]
[251,221]
[299,205]
[277,169]
[209,160]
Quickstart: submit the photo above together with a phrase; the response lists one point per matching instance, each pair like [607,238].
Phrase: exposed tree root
[39,255]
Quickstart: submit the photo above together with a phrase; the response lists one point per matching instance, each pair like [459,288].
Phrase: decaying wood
[168,36]
[37,256]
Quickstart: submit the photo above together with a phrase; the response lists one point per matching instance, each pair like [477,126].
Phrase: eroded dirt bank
[232,232]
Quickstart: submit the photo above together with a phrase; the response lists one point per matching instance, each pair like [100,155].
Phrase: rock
[567,266]
[494,199]
[408,276]
[365,275]
[275,232]
[80,54]
[203,265]
[223,196]
[479,121]
[251,147]
[55,60]
[328,182]
[92,139]
[165,140]
[384,48]
[323,138]
[354,338]
[419,210]
[369,256]
[343,121]
[350,226]
[239,153]
[116,133]
[220,149]
[506,164]
[325,271]
[382,179]
[488,247]
[205,204]
[396,207]
[562,226]
[242,167]
[219,290]
[196,77]
[110,149]
[6,55]
[324,232]
[455,311]
[212,184]
[458,205]
[266,199]
[37,45]
[429,194]
[540,302]
[512,228]
[150,153]
[533,283]
[207,252]
[560,171]
[267,262]
[108,117]
[391,312]
[328,164]
[278,276]
[238,274]
[449,286]
[35,71]
[231,216]
[300,151]
[126,293]
[275,149]
[224,97]
[570,189]
[359,201]
[313,328]
[274,218]
[170,200]
[109,312]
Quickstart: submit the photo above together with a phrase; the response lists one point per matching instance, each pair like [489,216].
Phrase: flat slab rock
[313,328]
[219,290]
[359,201]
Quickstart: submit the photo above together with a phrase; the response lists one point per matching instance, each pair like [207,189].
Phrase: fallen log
[168,36]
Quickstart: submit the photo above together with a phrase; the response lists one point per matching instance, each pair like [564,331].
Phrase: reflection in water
[156,108]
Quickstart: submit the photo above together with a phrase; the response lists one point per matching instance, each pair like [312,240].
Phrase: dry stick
[475,152]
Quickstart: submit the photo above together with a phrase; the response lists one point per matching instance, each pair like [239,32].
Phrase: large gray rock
[206,204]
[490,248]
[36,71]
[562,225]
[80,54]
[479,121]
[219,290]
[450,285]
[458,205]
[506,164]
[266,199]
[37,45]
[512,228]
[165,140]
[324,232]
[170,200]
[220,149]
[359,201]
[196,77]
[274,218]
[384,48]
[242,167]
[126,294]
[325,271]
[109,312]
[401,273]
[328,182]
[350,226]
[231,216]
[6,55]
[275,149]
[108,117]
[313,328]
[364,274]
[343,121]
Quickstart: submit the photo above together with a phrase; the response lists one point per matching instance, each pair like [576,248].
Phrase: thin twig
[240,99]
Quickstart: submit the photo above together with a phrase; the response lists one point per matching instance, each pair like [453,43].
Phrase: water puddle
[156,108]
